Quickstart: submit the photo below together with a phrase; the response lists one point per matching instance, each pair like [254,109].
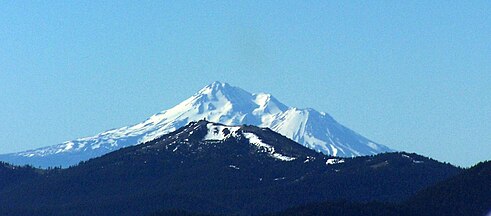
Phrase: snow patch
[414,161]
[334,161]
[219,132]
[309,158]
[253,139]
[234,167]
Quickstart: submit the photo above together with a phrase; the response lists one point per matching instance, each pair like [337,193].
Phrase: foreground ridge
[208,167]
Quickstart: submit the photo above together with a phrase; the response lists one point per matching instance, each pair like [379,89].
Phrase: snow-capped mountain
[217,102]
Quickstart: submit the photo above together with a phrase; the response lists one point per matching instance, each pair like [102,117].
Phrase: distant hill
[13,175]
[468,193]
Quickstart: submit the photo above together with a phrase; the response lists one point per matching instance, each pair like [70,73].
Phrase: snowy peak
[218,102]
[216,90]
[219,93]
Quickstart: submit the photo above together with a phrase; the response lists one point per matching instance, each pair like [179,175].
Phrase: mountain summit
[217,102]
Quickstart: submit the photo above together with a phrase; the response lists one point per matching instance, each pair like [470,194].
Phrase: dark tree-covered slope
[468,193]
[211,168]
[344,208]
[13,175]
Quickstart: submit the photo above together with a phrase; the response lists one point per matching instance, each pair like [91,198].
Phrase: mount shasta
[217,102]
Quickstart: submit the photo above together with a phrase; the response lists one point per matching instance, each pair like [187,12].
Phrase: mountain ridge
[208,167]
[467,193]
[217,102]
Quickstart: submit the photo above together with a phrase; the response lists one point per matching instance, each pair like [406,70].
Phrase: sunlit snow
[253,139]
[225,104]
[334,161]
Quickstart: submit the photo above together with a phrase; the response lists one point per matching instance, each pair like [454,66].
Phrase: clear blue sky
[415,76]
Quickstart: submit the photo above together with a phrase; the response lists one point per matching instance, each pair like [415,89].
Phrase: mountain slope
[10,174]
[217,102]
[206,167]
[468,193]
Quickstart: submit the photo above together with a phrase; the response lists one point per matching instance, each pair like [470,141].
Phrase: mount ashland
[217,102]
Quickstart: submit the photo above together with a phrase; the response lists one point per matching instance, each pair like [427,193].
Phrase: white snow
[216,132]
[334,161]
[225,104]
[68,146]
[282,178]
[175,149]
[253,139]
[309,158]
[234,167]
[414,161]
